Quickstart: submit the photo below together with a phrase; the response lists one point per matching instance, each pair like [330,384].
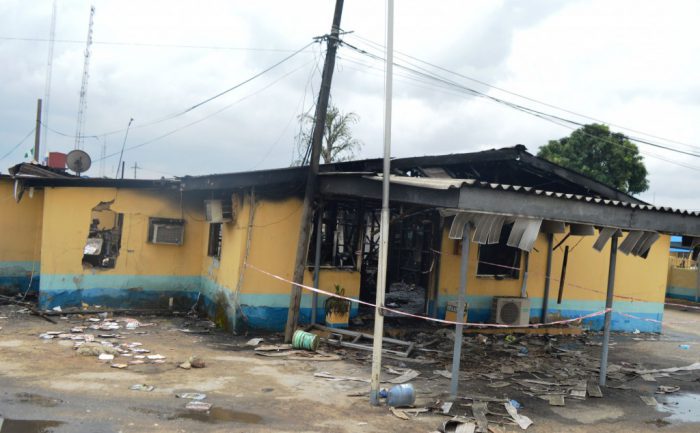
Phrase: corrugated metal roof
[443,184]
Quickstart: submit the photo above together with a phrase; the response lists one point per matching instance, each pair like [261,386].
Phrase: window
[104,237]
[166,231]
[339,236]
[215,236]
[499,260]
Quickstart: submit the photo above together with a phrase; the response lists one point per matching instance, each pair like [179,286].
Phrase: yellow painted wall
[586,277]
[273,244]
[20,224]
[226,270]
[687,278]
[273,248]
[67,217]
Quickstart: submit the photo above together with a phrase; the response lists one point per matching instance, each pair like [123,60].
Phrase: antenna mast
[83,87]
[47,85]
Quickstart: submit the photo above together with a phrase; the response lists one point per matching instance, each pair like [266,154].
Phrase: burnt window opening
[340,231]
[499,260]
[166,231]
[215,238]
[104,237]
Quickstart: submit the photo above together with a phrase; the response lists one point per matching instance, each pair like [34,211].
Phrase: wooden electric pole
[310,191]
[135,167]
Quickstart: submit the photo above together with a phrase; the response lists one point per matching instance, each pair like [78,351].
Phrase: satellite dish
[78,161]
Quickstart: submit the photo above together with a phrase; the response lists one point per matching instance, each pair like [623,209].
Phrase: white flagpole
[384,223]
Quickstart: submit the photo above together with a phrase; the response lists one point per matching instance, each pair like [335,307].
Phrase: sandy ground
[48,382]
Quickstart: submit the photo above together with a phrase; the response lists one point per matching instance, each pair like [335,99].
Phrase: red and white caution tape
[431,319]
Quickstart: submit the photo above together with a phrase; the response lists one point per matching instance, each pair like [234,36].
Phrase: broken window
[166,231]
[215,237]
[104,237]
[499,260]
[339,236]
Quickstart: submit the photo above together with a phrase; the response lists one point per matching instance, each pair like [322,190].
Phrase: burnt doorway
[412,262]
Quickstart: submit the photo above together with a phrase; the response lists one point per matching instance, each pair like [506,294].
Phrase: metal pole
[697,283]
[457,351]
[384,223]
[37,131]
[608,314]
[548,276]
[526,266]
[310,188]
[317,263]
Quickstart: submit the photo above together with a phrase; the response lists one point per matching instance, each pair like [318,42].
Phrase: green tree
[607,157]
[338,142]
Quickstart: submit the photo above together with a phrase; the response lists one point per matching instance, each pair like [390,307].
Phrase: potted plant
[337,309]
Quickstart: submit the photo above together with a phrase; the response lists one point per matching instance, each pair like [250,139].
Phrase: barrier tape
[629,298]
[431,319]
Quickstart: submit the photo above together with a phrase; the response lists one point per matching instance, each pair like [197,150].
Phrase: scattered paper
[105,357]
[522,421]
[399,413]
[254,341]
[663,389]
[691,367]
[498,384]
[409,375]
[648,400]
[192,395]
[198,406]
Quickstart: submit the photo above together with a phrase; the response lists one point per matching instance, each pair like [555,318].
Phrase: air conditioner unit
[217,211]
[166,231]
[510,311]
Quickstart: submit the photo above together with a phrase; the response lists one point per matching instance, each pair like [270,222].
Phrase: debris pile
[91,340]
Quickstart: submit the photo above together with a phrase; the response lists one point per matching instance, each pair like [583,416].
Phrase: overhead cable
[513,105]
[524,96]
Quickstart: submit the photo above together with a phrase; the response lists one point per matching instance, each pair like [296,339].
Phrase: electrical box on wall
[218,211]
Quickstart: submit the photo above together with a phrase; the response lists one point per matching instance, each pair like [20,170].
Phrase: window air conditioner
[217,211]
[510,311]
[166,231]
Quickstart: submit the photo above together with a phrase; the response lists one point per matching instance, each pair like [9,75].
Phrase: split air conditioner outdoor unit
[511,311]
[217,211]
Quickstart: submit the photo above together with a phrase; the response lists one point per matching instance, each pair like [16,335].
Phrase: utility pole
[123,164]
[135,167]
[37,131]
[310,191]
[384,221]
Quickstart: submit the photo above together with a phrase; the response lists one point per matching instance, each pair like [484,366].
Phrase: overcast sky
[633,64]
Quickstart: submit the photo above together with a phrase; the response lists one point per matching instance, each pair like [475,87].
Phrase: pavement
[46,386]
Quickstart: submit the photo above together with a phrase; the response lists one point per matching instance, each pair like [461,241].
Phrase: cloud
[623,62]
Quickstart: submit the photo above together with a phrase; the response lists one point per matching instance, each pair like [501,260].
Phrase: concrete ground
[45,385]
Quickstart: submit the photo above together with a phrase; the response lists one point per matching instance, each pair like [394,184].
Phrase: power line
[199,104]
[526,97]
[144,44]
[176,130]
[300,105]
[516,106]
[550,118]
[9,152]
